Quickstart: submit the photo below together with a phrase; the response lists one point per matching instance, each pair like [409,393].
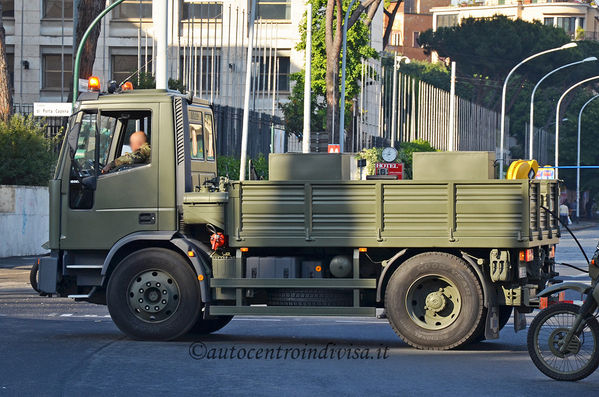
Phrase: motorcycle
[563,339]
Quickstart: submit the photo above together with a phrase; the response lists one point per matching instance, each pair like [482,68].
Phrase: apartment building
[413,17]
[579,20]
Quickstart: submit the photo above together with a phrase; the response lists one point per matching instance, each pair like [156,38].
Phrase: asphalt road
[56,347]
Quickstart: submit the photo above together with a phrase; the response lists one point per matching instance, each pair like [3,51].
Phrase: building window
[202,11]
[273,9]
[133,9]
[416,43]
[123,66]
[567,23]
[10,63]
[396,39]
[8,8]
[548,21]
[52,71]
[447,20]
[261,82]
[53,9]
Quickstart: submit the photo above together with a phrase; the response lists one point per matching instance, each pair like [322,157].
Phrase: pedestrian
[563,213]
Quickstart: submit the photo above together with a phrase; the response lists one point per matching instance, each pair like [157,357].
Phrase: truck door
[102,207]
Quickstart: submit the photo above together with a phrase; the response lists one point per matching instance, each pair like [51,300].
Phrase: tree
[87,11]
[327,40]
[485,50]
[390,14]
[5,89]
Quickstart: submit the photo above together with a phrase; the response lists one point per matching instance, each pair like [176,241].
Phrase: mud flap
[492,323]
[519,320]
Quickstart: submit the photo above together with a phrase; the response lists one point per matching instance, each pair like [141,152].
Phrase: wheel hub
[433,302]
[153,296]
[556,343]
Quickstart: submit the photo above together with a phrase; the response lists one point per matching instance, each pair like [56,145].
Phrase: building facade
[207,47]
[413,17]
[579,20]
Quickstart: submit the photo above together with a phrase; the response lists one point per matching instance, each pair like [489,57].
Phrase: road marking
[66,315]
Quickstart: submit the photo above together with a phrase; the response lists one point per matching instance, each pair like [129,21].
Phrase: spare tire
[310,297]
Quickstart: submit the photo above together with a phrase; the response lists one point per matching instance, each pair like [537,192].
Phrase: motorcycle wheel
[545,338]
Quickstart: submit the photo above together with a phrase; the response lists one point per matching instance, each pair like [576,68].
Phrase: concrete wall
[23,220]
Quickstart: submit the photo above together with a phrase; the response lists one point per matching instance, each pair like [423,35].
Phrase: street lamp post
[532,99]
[578,158]
[502,133]
[559,103]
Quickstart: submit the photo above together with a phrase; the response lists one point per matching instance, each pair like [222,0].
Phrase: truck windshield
[86,141]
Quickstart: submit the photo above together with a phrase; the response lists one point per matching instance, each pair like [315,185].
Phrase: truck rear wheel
[434,301]
[153,295]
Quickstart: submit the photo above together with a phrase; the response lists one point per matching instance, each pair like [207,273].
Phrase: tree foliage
[325,65]
[27,157]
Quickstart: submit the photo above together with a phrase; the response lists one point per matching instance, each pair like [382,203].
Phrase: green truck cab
[171,249]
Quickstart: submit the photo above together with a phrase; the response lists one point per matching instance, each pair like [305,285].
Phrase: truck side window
[123,155]
[196,132]
[209,136]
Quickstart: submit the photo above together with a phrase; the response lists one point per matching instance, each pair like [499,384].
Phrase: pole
[557,112]
[532,99]
[452,109]
[503,92]
[394,101]
[246,100]
[308,81]
[342,100]
[160,21]
[82,44]
[578,158]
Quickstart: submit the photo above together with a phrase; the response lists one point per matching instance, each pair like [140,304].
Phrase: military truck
[171,249]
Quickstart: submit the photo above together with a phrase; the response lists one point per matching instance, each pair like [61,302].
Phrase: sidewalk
[583,224]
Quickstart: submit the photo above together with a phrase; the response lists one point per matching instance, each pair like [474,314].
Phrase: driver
[139,155]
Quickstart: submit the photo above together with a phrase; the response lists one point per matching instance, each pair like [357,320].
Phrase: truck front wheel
[434,301]
[153,295]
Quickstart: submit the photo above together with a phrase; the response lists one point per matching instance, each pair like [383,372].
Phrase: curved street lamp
[559,103]
[532,100]
[564,47]
[578,157]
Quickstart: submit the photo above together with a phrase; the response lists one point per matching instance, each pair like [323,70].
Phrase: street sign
[389,169]
[546,173]
[52,109]
[334,148]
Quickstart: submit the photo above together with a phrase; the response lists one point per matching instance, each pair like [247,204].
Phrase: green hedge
[229,166]
[27,157]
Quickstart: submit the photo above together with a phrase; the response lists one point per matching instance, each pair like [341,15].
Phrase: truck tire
[153,295]
[33,276]
[310,297]
[208,326]
[434,301]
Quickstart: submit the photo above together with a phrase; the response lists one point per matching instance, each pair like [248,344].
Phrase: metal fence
[261,131]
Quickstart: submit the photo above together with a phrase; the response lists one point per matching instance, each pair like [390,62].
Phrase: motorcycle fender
[596,293]
[573,285]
